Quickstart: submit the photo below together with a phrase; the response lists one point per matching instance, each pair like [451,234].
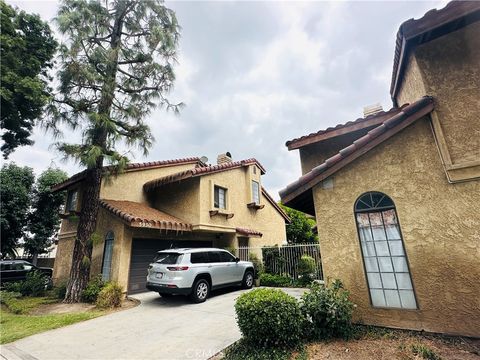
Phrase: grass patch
[425,352]
[24,305]
[16,323]
[242,350]
[14,327]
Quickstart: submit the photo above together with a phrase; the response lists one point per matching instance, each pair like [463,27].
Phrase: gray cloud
[255,74]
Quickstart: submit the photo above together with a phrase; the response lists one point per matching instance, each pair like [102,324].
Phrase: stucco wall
[451,69]
[440,223]
[63,259]
[129,185]
[413,87]
[121,250]
[448,68]
[180,199]
[238,184]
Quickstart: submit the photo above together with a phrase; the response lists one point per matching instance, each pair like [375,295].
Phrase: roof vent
[372,109]
[224,158]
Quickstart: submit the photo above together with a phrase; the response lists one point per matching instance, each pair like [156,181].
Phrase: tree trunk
[35,258]
[82,252]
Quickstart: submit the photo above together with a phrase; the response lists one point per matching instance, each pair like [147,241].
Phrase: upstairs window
[72,199]
[220,197]
[384,256]
[255,192]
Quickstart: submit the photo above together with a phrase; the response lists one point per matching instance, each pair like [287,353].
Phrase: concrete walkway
[156,329]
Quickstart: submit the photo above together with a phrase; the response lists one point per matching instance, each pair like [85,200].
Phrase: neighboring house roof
[298,194]
[207,170]
[275,205]
[248,232]
[341,129]
[200,171]
[130,167]
[435,23]
[141,215]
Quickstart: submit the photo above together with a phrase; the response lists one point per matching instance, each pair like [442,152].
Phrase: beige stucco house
[175,203]
[396,194]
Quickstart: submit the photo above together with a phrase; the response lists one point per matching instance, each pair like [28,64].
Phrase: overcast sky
[256,74]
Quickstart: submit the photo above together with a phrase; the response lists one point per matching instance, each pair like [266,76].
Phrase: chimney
[224,158]
[372,109]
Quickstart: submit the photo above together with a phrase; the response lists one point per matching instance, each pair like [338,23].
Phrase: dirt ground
[396,345]
[61,308]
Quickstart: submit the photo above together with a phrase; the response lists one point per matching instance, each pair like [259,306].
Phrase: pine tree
[115,67]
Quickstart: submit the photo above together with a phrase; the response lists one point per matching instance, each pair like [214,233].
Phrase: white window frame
[220,189]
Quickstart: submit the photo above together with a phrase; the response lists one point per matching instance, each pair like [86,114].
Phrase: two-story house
[174,203]
[396,194]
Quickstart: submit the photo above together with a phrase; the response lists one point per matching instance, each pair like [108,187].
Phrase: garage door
[143,252]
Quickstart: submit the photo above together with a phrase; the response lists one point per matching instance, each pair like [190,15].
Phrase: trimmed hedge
[269,318]
[272,280]
[110,296]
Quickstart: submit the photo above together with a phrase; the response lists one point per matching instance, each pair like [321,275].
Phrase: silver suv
[195,272]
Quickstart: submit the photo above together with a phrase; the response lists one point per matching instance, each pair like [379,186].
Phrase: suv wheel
[247,280]
[200,291]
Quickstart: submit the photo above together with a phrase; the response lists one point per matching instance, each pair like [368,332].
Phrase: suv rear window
[167,258]
[199,257]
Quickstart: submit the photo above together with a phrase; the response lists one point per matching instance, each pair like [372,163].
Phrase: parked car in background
[17,270]
[195,272]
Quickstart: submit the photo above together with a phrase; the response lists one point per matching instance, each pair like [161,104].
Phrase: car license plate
[159,275]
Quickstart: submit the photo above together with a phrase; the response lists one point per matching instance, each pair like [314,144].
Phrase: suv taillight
[177,268]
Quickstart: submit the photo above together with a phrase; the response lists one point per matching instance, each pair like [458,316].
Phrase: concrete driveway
[156,329]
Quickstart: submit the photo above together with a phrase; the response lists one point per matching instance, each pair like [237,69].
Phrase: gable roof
[341,129]
[275,205]
[435,23]
[141,215]
[200,171]
[130,167]
[298,194]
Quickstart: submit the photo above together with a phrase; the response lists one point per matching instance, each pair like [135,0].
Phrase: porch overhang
[140,215]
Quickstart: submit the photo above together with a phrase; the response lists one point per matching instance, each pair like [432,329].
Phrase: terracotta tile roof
[248,232]
[294,193]
[200,171]
[141,215]
[368,121]
[275,205]
[130,167]
[435,23]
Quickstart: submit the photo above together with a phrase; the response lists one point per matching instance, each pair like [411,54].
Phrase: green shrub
[269,318]
[425,352]
[257,265]
[110,296]
[60,289]
[275,280]
[328,311]
[306,269]
[94,286]
[35,284]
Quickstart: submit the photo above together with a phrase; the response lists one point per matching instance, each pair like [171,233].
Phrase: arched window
[384,256]
[107,256]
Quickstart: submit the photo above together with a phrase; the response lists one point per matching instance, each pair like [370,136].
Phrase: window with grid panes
[384,256]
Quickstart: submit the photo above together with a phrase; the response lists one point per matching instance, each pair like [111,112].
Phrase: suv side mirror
[237,259]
